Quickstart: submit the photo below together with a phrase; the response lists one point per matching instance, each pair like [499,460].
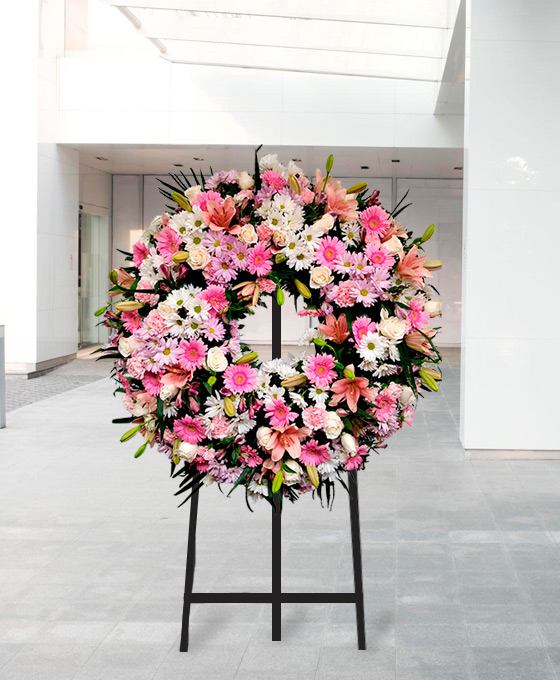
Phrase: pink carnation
[240,378]
[315,417]
[156,321]
[266,285]
[274,178]
[320,369]
[190,430]
[376,221]
[220,427]
[147,298]
[307,196]
[345,295]
[330,249]
[264,232]
[279,413]
[313,453]
[136,367]
[191,354]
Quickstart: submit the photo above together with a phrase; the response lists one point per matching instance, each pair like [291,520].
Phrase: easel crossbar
[264,598]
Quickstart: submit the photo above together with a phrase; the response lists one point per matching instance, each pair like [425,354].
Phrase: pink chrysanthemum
[315,417]
[379,256]
[190,430]
[166,352]
[259,260]
[376,221]
[168,242]
[313,453]
[329,250]
[320,369]
[214,330]
[240,378]
[362,326]
[251,456]
[274,178]
[366,293]
[279,413]
[131,320]
[191,354]
[215,296]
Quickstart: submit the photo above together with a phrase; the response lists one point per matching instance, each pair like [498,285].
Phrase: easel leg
[276,570]
[189,574]
[357,557]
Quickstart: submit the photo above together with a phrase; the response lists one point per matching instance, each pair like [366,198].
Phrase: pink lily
[286,439]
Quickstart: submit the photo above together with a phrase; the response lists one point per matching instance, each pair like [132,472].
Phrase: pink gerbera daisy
[329,250]
[313,453]
[259,260]
[203,197]
[168,242]
[215,296]
[362,326]
[279,413]
[190,430]
[379,256]
[131,320]
[139,253]
[376,221]
[240,378]
[320,370]
[151,383]
[191,354]
[386,402]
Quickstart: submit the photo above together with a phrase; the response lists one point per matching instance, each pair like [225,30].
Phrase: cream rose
[168,391]
[216,360]
[294,476]
[165,309]
[248,234]
[433,307]
[406,397]
[324,223]
[394,245]
[349,443]
[391,327]
[186,451]
[263,436]
[199,257]
[192,192]
[245,180]
[334,425]
[124,347]
[320,276]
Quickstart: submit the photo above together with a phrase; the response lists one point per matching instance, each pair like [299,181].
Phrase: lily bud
[128,305]
[247,358]
[428,233]
[100,311]
[303,289]
[280,297]
[279,258]
[277,481]
[229,407]
[113,276]
[181,200]
[255,296]
[128,435]
[357,188]
[294,380]
[212,380]
[433,265]
[330,162]
[348,374]
[180,256]
[176,459]
[141,450]
[428,380]
[313,475]
[294,184]
[436,375]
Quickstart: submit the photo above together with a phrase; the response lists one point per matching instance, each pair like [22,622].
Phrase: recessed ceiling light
[395,160]
[364,167]
[197,159]
[102,158]
[458,167]
[177,165]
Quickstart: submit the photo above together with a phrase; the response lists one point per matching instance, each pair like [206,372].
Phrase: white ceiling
[151,160]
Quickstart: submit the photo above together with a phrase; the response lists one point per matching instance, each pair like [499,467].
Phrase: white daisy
[178,299]
[393,350]
[298,400]
[318,395]
[257,489]
[194,238]
[149,269]
[180,223]
[274,392]
[293,244]
[194,220]
[308,335]
[271,162]
[177,327]
[311,236]
[384,370]
[368,365]
[372,346]
[155,226]
[284,204]
[351,231]
[300,259]
[198,309]
[243,422]
[276,220]
[213,407]
[192,327]
[263,382]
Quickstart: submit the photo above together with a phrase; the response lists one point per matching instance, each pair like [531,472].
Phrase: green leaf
[277,481]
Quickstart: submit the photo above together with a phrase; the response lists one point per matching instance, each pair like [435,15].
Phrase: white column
[511,324]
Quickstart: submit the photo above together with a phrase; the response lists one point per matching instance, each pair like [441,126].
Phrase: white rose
[406,397]
[248,234]
[245,180]
[216,360]
[334,425]
[263,436]
[124,347]
[294,476]
[349,443]
[324,223]
[320,276]
[394,245]
[392,328]
[168,391]
[433,307]
[186,451]
[199,257]
[192,192]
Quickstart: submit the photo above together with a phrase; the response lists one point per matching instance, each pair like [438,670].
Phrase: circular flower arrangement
[195,390]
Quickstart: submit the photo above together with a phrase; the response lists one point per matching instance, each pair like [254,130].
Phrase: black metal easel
[276,597]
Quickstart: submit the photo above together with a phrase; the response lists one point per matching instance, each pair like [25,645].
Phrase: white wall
[148,100]
[96,191]
[439,202]
[511,325]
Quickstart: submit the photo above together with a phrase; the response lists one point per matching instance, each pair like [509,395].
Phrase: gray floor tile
[507,663]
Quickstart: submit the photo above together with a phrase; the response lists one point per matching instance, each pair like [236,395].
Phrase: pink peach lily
[412,267]
[286,439]
[419,341]
[350,390]
[335,329]
[219,217]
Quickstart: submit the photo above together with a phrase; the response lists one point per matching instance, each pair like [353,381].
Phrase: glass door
[93,269]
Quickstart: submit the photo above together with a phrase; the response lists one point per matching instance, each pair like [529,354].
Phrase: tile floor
[461,561]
